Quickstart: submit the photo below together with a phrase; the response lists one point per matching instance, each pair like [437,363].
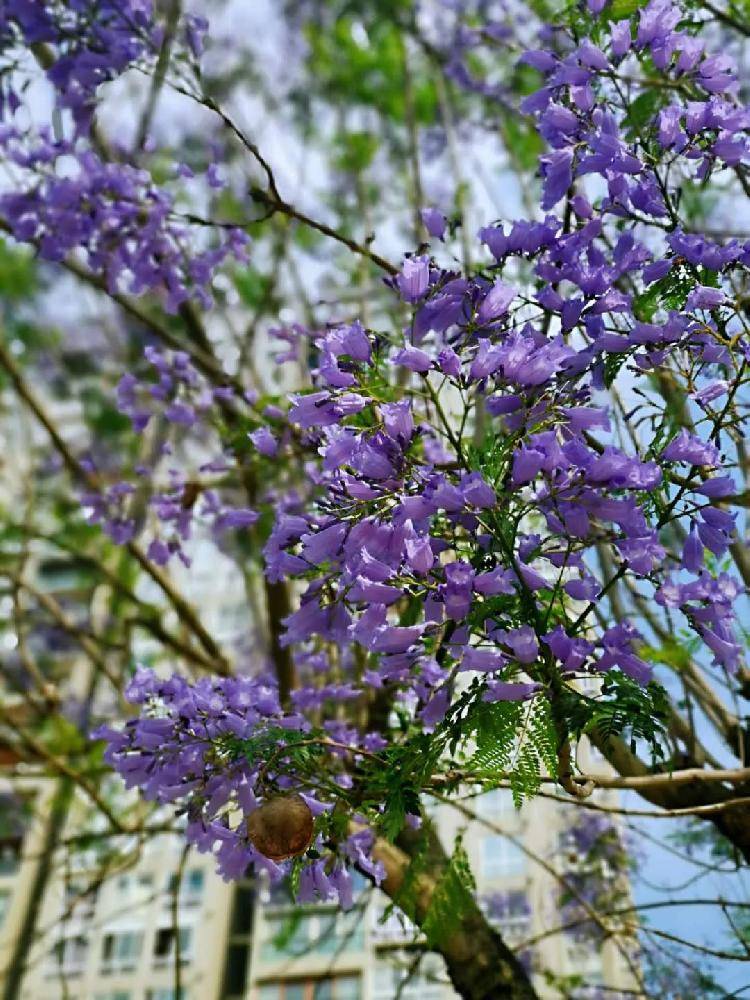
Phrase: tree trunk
[19,959]
[480,964]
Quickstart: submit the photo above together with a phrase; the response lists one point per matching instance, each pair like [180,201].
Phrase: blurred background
[368,113]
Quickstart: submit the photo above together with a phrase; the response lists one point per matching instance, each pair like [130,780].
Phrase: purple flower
[476,491]
[434,222]
[523,644]
[692,552]
[705,297]
[496,302]
[557,171]
[505,691]
[527,464]
[398,420]
[456,592]
[414,278]
[449,362]
[264,441]
[414,359]
[618,652]
[688,448]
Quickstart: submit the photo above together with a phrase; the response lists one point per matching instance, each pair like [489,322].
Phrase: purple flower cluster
[181,396]
[84,43]
[581,114]
[470,496]
[595,868]
[182,750]
[70,201]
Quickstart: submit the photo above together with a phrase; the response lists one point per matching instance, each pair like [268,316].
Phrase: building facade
[125,934]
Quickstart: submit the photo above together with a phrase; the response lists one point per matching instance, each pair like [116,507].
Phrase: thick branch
[481,966]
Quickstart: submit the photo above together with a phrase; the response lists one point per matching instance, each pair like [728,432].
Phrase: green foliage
[355,151]
[397,785]
[522,141]
[623,709]
[671,292]
[517,739]
[620,9]
[61,736]
[697,838]
[102,416]
[252,286]
[284,937]
[536,754]
[401,797]
[363,63]
[18,276]
[612,365]
[295,749]
[406,897]
[491,456]
[452,899]
[670,653]
[643,111]
[494,726]
[376,384]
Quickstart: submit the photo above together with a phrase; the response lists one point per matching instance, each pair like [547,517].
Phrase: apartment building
[144,920]
[123,935]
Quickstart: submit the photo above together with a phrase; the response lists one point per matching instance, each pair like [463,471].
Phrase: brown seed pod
[281,828]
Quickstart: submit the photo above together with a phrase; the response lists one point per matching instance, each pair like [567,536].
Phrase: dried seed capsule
[281,828]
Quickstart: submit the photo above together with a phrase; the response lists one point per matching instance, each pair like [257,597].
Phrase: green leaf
[624,709]
[355,151]
[251,285]
[17,272]
[495,726]
[643,110]
[618,10]
[61,736]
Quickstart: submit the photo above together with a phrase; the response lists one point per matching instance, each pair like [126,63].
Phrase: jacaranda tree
[498,497]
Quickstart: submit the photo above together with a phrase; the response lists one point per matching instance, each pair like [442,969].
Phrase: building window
[391,926]
[242,912]
[509,912]
[322,932]
[396,976]
[132,884]
[120,952]
[191,887]
[501,858]
[498,802]
[331,988]
[4,904]
[167,993]
[69,956]
[10,855]
[80,900]
[164,943]
[235,971]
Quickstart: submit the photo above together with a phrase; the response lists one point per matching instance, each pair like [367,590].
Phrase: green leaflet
[496,726]
[537,752]
[516,739]
[624,709]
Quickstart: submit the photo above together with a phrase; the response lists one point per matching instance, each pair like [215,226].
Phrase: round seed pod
[281,828]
